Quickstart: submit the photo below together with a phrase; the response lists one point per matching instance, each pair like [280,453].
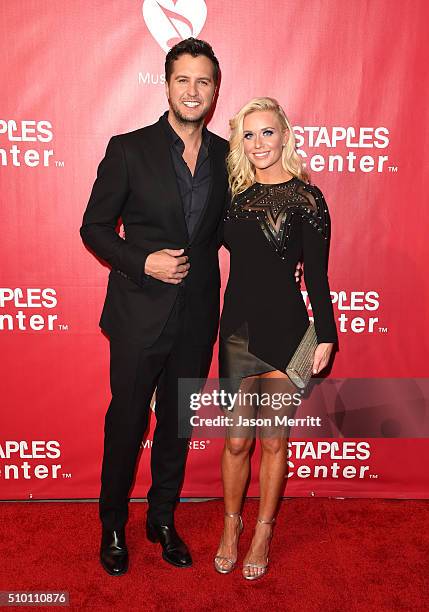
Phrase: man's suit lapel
[162,167]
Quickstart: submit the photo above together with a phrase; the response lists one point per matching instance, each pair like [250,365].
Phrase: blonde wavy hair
[241,172]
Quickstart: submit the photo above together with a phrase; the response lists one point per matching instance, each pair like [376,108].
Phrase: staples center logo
[170,21]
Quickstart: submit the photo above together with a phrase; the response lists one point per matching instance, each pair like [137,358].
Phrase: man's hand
[168,265]
[298,272]
[321,356]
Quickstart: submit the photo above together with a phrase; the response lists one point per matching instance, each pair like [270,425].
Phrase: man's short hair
[194,47]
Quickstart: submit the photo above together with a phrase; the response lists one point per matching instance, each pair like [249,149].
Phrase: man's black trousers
[135,372]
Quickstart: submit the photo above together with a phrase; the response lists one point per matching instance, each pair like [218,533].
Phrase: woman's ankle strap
[264,522]
[232,514]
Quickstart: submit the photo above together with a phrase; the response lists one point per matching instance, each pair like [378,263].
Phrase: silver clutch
[299,368]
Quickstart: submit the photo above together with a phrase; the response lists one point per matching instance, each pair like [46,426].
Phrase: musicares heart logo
[170,21]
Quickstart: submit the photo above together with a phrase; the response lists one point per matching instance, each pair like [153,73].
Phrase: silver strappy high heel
[231,563]
[258,566]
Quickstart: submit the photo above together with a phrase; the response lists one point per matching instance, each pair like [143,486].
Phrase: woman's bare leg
[235,474]
[272,473]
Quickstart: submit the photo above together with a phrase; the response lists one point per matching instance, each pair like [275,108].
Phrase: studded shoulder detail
[275,205]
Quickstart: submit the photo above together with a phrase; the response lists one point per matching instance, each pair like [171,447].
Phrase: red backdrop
[350,75]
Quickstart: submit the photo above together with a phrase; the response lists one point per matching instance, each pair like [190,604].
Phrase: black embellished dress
[267,230]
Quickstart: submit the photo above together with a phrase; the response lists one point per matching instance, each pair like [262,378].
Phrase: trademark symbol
[66,475]
[383,330]
[373,475]
[59,164]
[63,327]
[393,168]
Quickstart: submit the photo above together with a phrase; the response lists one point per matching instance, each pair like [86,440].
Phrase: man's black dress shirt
[193,190]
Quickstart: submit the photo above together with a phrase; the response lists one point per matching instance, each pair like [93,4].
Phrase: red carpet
[330,555]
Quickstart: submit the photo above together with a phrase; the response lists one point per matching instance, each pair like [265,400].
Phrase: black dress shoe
[174,550]
[113,552]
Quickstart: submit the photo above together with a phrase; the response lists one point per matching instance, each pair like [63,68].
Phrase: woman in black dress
[275,220]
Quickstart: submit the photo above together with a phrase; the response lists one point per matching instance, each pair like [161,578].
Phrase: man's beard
[187,120]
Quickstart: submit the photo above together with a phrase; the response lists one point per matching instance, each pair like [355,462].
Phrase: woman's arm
[316,231]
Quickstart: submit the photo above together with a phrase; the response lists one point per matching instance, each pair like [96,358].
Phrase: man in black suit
[168,184]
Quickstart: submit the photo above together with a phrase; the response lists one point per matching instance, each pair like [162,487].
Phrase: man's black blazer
[136,183]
